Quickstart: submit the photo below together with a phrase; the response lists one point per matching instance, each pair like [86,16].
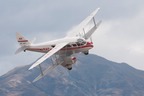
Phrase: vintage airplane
[61,50]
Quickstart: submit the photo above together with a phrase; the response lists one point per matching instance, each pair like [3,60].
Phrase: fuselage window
[68,45]
[74,45]
[78,44]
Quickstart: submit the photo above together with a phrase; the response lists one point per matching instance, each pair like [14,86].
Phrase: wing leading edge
[75,32]
[47,55]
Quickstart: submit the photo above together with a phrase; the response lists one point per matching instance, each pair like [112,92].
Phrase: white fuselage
[73,47]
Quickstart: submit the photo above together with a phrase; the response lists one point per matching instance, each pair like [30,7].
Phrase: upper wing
[50,53]
[80,27]
[92,30]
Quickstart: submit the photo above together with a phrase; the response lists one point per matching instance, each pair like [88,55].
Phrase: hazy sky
[119,38]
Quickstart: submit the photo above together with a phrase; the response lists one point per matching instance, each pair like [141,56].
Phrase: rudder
[22,40]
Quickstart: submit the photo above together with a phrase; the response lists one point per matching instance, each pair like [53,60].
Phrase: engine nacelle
[68,62]
[73,59]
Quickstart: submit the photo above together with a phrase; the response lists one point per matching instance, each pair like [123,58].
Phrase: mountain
[91,76]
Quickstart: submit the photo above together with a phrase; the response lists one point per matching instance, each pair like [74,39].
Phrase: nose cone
[90,44]
[74,59]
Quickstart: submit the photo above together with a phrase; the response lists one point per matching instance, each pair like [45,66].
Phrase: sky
[119,38]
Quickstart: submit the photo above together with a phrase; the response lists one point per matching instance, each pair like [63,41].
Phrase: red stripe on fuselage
[89,44]
[23,41]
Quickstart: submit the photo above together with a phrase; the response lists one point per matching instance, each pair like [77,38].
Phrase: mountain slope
[91,76]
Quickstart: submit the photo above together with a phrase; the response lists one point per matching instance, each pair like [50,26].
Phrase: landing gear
[69,68]
[86,53]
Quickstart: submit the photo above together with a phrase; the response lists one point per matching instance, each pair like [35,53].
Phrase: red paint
[89,44]
[23,41]
[73,58]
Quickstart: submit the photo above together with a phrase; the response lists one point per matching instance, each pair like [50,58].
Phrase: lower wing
[47,55]
[49,69]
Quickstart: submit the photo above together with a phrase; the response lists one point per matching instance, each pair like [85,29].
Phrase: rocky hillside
[91,76]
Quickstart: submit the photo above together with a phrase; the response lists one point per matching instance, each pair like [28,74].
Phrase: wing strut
[84,33]
[41,70]
[94,21]
[48,69]
[47,55]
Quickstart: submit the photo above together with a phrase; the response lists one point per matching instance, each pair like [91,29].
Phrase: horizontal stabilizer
[20,49]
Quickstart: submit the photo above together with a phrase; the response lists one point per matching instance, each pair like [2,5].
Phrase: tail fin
[22,40]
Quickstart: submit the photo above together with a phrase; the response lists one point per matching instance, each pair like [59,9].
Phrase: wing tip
[98,8]
[34,65]
[31,68]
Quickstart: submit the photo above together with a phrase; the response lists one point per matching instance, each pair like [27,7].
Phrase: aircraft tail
[22,40]
[23,48]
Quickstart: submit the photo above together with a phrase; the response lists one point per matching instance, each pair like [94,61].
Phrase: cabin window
[74,45]
[68,45]
[78,44]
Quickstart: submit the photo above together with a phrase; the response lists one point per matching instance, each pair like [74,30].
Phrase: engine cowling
[73,59]
[68,62]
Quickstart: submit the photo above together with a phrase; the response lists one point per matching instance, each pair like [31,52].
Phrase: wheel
[69,68]
[86,53]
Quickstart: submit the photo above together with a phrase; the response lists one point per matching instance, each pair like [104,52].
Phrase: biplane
[61,50]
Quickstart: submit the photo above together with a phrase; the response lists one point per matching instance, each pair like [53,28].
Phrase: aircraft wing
[92,30]
[77,29]
[47,55]
[49,69]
